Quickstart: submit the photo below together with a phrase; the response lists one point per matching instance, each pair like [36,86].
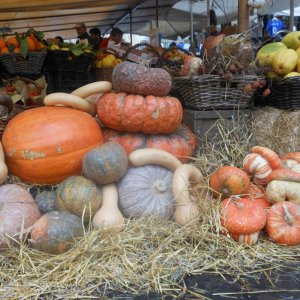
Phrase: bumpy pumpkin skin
[228,181]
[106,163]
[46,144]
[55,231]
[182,142]
[16,206]
[135,113]
[78,195]
[138,79]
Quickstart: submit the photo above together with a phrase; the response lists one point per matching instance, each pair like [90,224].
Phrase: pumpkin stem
[159,186]
[287,216]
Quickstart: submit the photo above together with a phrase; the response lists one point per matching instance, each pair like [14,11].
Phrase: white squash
[145,191]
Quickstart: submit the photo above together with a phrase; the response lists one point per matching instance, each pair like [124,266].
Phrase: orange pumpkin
[182,142]
[242,216]
[258,194]
[135,113]
[283,223]
[228,181]
[47,144]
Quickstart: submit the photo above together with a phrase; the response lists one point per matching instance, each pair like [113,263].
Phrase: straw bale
[277,129]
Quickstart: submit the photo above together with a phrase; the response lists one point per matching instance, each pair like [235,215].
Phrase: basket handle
[111,50]
[159,61]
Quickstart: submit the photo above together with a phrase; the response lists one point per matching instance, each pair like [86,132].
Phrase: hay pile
[150,254]
[277,129]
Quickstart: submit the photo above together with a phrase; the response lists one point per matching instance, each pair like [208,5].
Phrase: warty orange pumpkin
[46,144]
[135,113]
[182,142]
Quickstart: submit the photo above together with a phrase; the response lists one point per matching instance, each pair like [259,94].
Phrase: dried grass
[277,129]
[150,254]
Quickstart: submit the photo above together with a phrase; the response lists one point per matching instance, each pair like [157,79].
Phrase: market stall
[107,192]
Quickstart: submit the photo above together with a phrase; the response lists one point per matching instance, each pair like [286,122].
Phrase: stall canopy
[57,17]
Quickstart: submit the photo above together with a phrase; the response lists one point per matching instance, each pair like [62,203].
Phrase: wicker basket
[143,53]
[105,73]
[206,92]
[285,93]
[5,119]
[66,61]
[15,64]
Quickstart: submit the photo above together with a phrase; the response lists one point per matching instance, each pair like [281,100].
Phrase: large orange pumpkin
[46,144]
[182,142]
[135,113]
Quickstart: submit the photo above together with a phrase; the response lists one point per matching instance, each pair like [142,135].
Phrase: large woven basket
[66,61]
[285,93]
[207,92]
[15,64]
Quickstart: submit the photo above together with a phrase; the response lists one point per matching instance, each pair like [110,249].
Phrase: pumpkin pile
[140,114]
[271,203]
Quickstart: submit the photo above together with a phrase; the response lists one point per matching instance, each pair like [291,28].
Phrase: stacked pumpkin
[139,114]
[247,208]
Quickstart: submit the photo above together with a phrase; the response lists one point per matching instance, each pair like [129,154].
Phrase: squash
[283,223]
[18,211]
[138,79]
[260,163]
[106,163]
[79,196]
[181,143]
[55,232]
[291,161]
[109,215]
[142,157]
[258,194]
[45,200]
[247,239]
[135,113]
[185,210]
[89,89]
[228,181]
[46,144]
[242,216]
[146,191]
[3,166]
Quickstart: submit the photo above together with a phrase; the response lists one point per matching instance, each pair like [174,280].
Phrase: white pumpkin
[145,191]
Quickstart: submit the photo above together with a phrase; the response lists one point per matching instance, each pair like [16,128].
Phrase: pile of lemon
[107,61]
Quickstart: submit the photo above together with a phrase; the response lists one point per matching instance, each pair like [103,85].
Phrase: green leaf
[11,48]
[77,51]
[24,47]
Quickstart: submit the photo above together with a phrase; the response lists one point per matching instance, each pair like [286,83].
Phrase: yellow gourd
[109,215]
[185,210]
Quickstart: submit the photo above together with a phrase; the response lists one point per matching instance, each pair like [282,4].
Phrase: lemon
[54,47]
[107,62]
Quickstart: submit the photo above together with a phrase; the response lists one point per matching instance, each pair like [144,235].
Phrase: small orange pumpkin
[283,223]
[228,181]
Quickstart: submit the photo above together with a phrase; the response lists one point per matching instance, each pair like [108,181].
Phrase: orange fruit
[17,50]
[31,44]
[39,45]
[4,50]
[13,41]
[2,43]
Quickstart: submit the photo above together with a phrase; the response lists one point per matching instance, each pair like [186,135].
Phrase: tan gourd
[109,215]
[185,210]
[3,167]
[97,87]
[70,101]
[142,157]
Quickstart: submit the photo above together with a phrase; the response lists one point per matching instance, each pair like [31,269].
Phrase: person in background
[274,25]
[82,35]
[114,41]
[173,44]
[59,40]
[95,35]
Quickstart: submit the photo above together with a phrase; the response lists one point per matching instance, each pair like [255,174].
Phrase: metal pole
[292,14]
[243,17]
[192,21]
[208,16]
[156,13]
[130,26]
